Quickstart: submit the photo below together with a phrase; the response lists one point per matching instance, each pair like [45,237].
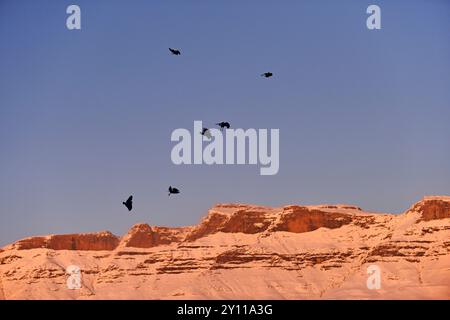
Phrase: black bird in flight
[206,133]
[267,74]
[175,51]
[173,190]
[223,125]
[129,203]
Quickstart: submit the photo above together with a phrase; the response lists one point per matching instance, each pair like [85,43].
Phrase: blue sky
[86,116]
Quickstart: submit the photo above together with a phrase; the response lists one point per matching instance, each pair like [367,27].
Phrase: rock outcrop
[143,236]
[88,241]
[433,207]
[245,252]
[302,219]
[232,218]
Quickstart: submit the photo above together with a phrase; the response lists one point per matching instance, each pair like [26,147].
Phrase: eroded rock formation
[243,252]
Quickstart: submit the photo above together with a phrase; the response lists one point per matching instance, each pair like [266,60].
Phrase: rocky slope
[245,252]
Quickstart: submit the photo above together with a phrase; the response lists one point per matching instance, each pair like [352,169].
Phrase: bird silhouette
[173,190]
[267,74]
[206,133]
[223,125]
[129,203]
[175,51]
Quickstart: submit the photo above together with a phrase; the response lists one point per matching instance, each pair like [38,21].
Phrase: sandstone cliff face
[89,241]
[139,236]
[245,252]
[232,218]
[144,236]
[302,219]
[431,208]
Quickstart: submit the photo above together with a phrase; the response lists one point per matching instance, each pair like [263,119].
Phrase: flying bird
[129,203]
[206,133]
[175,51]
[223,125]
[267,74]
[173,190]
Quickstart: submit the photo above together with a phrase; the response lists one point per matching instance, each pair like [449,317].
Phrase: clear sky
[86,116]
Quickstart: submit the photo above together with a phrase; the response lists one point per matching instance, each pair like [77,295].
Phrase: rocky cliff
[245,251]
